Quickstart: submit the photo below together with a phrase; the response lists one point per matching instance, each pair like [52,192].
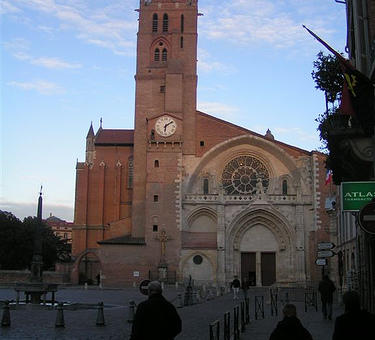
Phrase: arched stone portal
[89,268]
[260,246]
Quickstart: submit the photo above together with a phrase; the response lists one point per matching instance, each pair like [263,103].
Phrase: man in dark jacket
[156,318]
[290,328]
[354,323]
[326,289]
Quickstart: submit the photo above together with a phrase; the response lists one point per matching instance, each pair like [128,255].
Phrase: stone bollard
[162,285]
[100,316]
[86,286]
[5,321]
[131,311]
[60,316]
[176,284]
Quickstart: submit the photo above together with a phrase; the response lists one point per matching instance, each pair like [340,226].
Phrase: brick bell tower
[165,114]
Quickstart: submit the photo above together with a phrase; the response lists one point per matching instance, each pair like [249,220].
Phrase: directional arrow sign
[321,262]
[325,253]
[325,245]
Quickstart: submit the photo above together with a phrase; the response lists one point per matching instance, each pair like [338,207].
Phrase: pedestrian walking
[326,289]
[354,323]
[290,327]
[235,285]
[156,318]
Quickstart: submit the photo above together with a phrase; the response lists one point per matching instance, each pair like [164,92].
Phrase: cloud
[19,49]
[103,26]
[217,109]
[275,23]
[41,86]
[22,210]
[207,64]
[54,63]
[7,7]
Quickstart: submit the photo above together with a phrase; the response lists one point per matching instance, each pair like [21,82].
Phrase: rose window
[243,175]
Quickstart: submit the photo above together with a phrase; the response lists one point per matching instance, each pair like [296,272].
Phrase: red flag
[329,175]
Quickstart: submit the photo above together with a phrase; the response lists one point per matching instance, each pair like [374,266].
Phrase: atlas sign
[354,195]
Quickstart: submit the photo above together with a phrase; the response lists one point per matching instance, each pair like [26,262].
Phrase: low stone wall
[13,276]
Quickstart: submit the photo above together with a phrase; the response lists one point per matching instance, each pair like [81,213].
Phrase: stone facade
[188,193]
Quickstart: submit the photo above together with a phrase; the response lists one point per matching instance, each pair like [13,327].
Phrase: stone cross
[163,238]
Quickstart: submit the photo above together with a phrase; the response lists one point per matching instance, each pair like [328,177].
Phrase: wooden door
[248,267]
[268,265]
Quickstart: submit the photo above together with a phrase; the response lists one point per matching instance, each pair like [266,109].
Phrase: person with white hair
[156,318]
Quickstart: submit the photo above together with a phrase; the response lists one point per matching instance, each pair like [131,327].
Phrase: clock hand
[165,126]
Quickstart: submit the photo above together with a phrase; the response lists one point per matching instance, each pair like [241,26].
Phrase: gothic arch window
[182,23]
[165,22]
[205,186]
[240,176]
[285,187]
[164,55]
[130,172]
[155,23]
[157,55]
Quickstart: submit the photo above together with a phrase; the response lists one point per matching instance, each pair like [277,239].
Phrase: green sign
[354,195]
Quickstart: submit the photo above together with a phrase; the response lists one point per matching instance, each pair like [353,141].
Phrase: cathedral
[186,194]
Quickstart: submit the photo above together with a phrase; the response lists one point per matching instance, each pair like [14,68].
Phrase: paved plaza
[34,322]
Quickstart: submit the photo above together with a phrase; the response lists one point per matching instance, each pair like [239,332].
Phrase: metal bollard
[5,320]
[100,317]
[131,311]
[60,316]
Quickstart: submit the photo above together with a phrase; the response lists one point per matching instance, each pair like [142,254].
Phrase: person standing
[290,327]
[235,285]
[245,286]
[326,289]
[354,323]
[156,318]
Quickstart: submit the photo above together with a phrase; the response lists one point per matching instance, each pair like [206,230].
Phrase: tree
[17,241]
[328,78]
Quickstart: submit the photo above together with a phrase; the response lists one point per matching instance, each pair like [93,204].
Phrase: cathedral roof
[114,137]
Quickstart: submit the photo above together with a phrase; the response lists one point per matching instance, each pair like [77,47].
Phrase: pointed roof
[114,137]
[91,132]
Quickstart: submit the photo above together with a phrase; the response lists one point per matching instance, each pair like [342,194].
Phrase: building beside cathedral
[187,194]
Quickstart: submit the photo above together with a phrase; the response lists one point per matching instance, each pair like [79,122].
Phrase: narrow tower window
[130,172]
[165,22]
[285,187]
[182,23]
[182,42]
[155,23]
[164,55]
[156,163]
[157,55]
[205,186]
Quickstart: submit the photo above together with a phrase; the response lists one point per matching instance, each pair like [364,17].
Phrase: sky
[67,63]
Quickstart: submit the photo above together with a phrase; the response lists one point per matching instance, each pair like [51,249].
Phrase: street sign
[325,253]
[355,195]
[367,218]
[321,262]
[325,245]
[143,287]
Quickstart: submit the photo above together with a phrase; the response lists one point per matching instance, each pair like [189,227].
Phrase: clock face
[165,126]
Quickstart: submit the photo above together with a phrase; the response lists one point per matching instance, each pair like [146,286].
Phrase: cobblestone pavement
[30,322]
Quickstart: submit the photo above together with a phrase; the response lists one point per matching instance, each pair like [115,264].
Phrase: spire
[269,135]
[91,131]
[101,123]
[40,203]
